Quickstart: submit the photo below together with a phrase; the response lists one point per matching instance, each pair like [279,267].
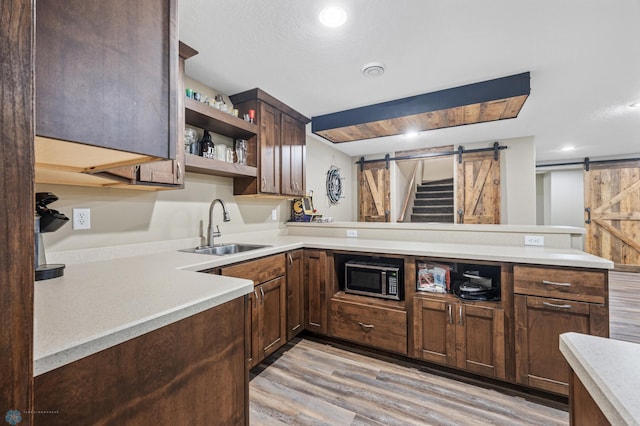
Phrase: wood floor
[313,383]
[624,306]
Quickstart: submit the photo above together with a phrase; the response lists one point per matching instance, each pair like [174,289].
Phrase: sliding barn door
[478,188]
[612,213]
[374,195]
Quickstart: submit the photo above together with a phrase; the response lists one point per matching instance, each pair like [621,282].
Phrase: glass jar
[241,152]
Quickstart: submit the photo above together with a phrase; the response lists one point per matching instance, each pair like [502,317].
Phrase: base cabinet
[192,370]
[295,293]
[460,335]
[539,323]
[368,325]
[550,301]
[315,291]
[266,328]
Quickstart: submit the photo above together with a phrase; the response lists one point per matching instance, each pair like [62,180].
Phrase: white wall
[437,168]
[564,197]
[320,157]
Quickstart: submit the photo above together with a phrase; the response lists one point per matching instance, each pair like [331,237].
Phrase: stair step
[435,187]
[433,209]
[434,194]
[437,182]
[448,201]
[446,218]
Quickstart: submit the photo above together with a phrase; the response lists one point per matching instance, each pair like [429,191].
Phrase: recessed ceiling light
[333,16]
[411,135]
[568,148]
[635,105]
[373,69]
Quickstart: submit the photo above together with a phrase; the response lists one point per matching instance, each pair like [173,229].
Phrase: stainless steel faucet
[211,234]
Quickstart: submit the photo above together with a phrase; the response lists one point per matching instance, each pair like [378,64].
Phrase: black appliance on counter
[46,220]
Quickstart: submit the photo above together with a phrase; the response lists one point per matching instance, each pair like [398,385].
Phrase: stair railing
[409,193]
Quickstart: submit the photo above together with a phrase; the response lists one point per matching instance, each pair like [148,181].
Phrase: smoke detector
[373,69]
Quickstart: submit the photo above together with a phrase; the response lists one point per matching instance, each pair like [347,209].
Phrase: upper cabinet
[106,77]
[280,146]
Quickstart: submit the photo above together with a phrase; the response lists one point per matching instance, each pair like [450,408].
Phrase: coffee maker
[46,220]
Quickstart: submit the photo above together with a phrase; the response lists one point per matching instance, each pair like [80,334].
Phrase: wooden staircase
[434,202]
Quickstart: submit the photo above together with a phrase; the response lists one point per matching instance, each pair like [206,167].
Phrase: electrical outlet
[81,218]
[274,214]
[352,233]
[533,240]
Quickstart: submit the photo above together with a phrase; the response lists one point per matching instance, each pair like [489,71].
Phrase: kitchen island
[98,316]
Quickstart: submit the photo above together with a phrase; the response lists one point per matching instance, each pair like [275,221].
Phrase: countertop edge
[130,331]
[604,396]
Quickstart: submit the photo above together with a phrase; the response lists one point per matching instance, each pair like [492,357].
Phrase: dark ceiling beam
[489,100]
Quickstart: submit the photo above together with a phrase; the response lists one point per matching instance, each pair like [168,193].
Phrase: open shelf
[209,166]
[201,115]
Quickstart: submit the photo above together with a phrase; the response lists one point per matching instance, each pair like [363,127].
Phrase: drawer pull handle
[556,284]
[366,327]
[553,305]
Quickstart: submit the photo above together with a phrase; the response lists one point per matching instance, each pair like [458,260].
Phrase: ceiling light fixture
[411,135]
[373,69]
[635,105]
[333,16]
[568,148]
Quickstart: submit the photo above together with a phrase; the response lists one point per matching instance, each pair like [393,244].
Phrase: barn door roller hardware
[586,163]
[496,148]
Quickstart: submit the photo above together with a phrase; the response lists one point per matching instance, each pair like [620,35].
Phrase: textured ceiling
[583,56]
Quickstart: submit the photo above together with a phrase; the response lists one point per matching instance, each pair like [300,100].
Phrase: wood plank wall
[16,214]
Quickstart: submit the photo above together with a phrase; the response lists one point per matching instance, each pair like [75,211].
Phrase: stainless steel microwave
[373,279]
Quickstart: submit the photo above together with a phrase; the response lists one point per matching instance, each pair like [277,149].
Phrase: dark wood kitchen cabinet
[189,372]
[295,293]
[316,275]
[168,174]
[548,302]
[107,75]
[369,322]
[266,316]
[469,336]
[280,146]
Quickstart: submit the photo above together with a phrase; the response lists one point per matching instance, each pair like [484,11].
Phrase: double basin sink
[222,249]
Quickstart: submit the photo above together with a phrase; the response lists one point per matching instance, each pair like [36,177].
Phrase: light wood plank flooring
[312,383]
[624,306]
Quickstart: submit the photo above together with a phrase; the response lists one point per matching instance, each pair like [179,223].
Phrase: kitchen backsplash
[120,216]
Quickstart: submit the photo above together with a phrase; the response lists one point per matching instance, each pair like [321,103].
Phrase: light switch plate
[81,218]
[352,233]
[274,214]
[533,240]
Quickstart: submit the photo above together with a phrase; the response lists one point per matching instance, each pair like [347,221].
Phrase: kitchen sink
[222,249]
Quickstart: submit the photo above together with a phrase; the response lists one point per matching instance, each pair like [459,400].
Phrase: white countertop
[610,371]
[101,303]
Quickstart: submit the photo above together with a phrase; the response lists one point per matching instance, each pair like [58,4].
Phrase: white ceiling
[583,55]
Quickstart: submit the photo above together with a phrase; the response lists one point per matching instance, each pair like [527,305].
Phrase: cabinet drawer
[369,325]
[585,286]
[260,270]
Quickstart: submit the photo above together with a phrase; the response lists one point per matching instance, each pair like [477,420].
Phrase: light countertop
[610,371]
[101,303]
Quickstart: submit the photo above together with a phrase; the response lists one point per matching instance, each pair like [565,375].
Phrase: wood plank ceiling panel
[491,100]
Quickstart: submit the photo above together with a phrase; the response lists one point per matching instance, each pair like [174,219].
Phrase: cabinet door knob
[450,314]
[179,171]
[262,293]
[255,299]
[460,315]
[290,259]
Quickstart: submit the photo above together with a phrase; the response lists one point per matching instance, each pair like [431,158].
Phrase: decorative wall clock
[334,185]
